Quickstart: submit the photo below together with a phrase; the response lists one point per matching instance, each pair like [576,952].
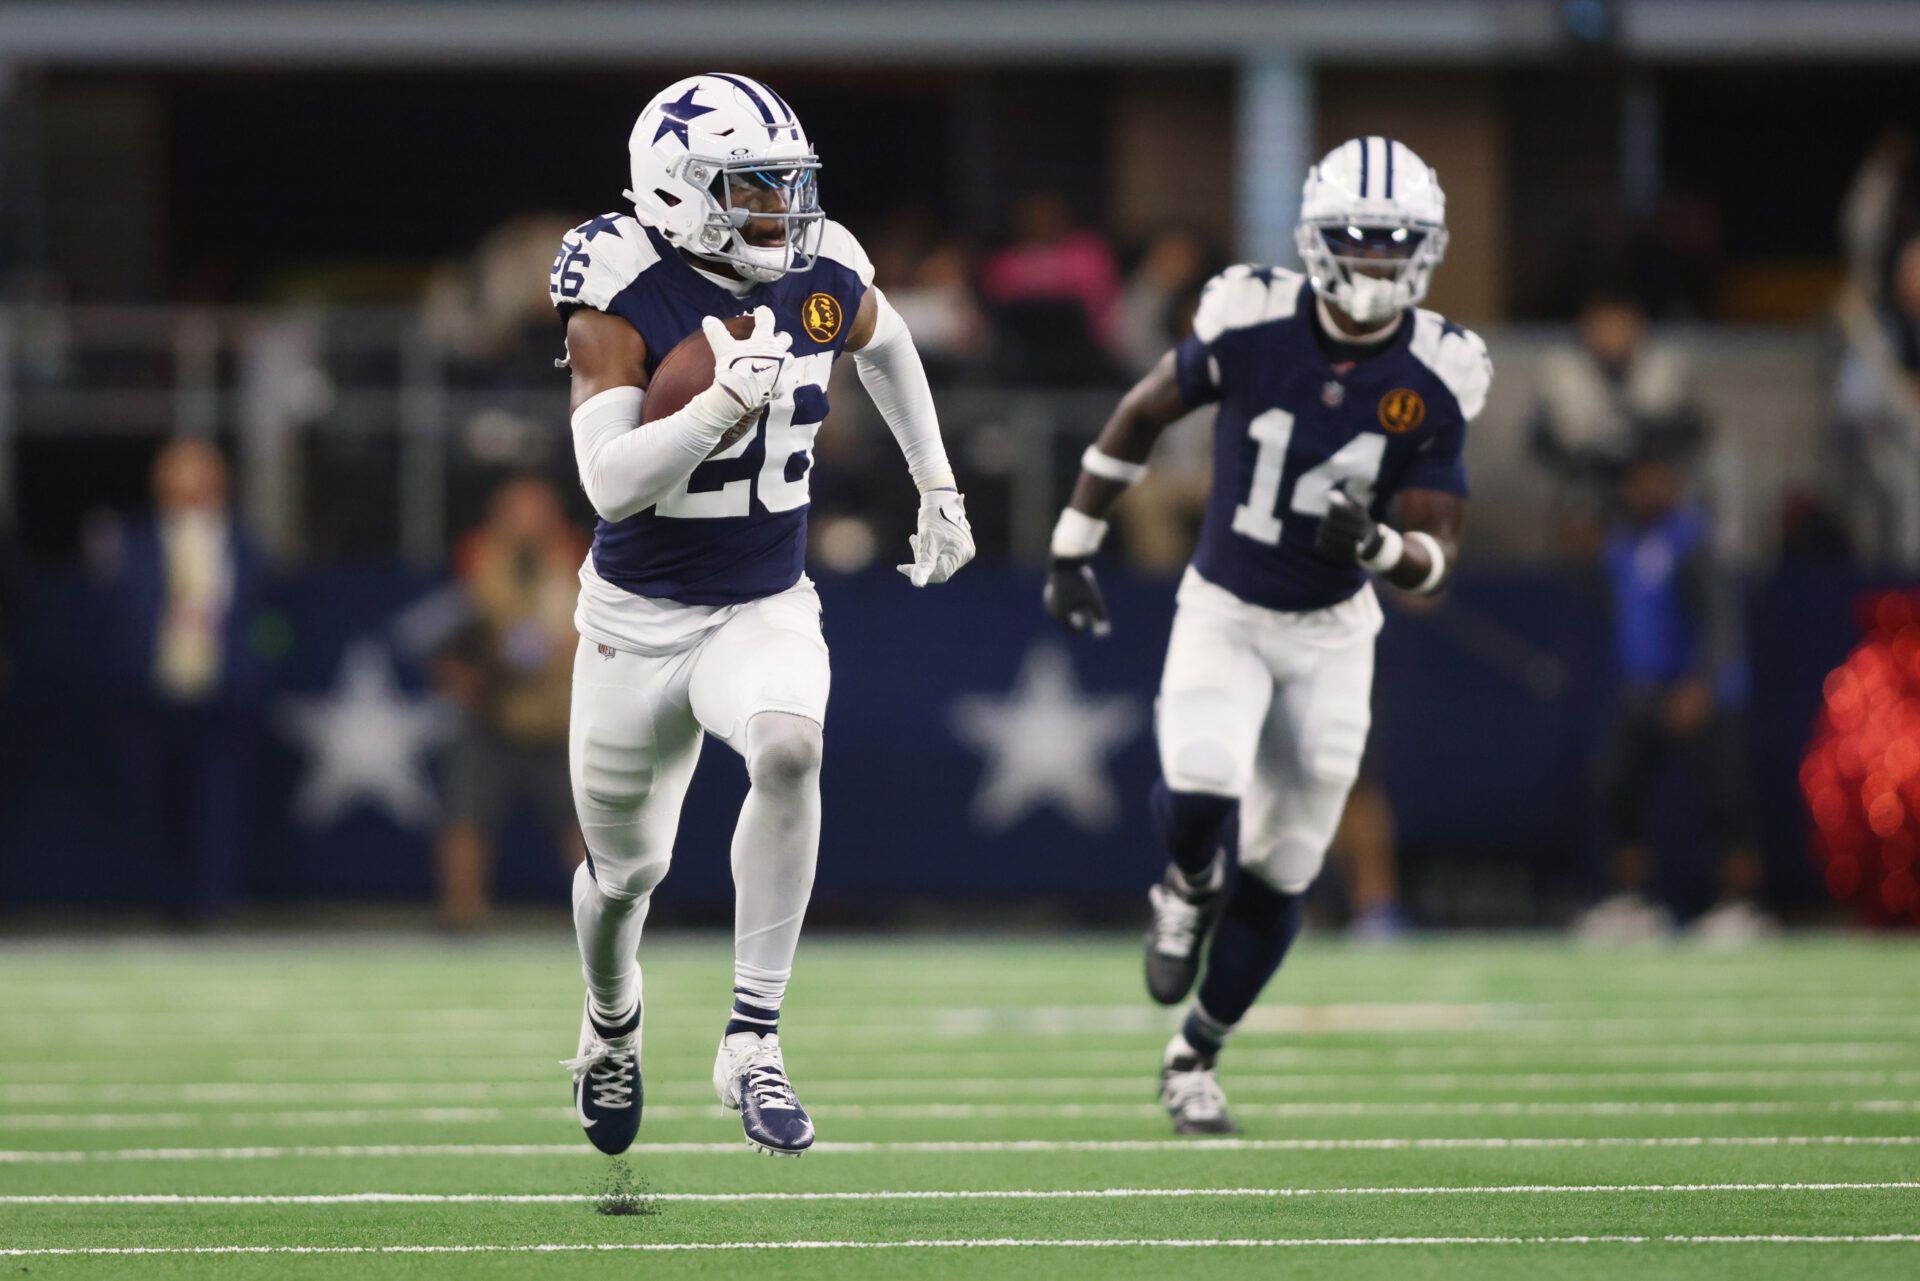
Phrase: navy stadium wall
[973,753]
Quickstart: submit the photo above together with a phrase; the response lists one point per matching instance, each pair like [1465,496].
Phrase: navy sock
[608,1031]
[748,1017]
[1255,930]
[1190,825]
[1204,1032]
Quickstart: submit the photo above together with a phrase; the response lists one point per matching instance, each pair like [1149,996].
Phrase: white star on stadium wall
[1046,744]
[367,742]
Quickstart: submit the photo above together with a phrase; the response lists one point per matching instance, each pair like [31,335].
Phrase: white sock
[775,847]
[609,933]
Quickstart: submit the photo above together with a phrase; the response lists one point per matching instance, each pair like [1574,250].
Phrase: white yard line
[1016,1194]
[936,1243]
[186,1035]
[491,1150]
[496,1066]
[353,1117]
[1599,1018]
[1039,1086]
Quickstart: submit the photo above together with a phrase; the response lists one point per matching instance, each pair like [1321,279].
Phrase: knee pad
[622,881]
[1203,766]
[1288,867]
[783,750]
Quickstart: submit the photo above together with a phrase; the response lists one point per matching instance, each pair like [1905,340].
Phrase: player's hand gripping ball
[1347,534]
[743,355]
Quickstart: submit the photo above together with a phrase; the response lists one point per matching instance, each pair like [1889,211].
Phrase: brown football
[685,372]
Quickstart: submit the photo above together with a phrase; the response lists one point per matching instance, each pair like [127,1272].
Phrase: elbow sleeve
[890,369]
[625,470]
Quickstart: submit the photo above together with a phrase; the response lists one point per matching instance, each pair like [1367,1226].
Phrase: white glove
[945,540]
[748,369]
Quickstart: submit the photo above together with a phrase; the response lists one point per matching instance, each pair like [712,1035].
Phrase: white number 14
[1357,463]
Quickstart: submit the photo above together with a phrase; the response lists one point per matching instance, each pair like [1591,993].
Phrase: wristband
[1392,548]
[1077,535]
[1107,467]
[1435,557]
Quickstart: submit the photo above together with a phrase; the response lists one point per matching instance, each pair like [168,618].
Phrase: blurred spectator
[932,289]
[1055,293]
[1677,647]
[1598,399]
[1366,849]
[1161,517]
[1878,393]
[185,593]
[1157,302]
[511,670]
[490,313]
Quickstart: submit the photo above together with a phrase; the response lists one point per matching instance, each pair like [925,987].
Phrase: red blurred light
[1898,893]
[1861,773]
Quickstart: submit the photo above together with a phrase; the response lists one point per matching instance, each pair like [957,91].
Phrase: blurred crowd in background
[303,449]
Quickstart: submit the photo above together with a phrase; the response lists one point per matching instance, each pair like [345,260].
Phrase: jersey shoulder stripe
[597,260]
[1457,357]
[837,244]
[1245,295]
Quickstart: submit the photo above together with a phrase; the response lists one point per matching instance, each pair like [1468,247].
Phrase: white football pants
[759,683]
[1272,708]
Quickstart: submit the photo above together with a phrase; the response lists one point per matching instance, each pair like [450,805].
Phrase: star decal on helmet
[678,114]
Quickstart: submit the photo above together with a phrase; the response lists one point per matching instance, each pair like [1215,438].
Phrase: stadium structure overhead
[418,33]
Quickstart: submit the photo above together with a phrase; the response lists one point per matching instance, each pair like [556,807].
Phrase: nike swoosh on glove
[944,542]
[748,369]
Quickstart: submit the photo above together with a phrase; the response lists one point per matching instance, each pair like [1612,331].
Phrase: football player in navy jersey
[1337,399]
[695,613]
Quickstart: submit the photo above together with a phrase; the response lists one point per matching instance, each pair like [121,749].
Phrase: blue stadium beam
[1273,147]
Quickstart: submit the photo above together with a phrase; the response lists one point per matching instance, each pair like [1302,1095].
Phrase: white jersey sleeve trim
[839,245]
[1239,299]
[614,257]
[1457,357]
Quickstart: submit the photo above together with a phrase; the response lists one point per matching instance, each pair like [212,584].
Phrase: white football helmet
[1373,226]
[697,140]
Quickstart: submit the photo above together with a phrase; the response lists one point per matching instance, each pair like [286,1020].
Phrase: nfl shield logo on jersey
[1333,393]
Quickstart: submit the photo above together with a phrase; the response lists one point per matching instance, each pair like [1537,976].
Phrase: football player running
[695,613]
[1336,395]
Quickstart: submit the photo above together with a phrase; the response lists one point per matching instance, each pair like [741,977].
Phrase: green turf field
[393,1108]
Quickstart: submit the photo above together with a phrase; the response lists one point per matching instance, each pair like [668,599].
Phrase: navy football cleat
[751,1078]
[1191,1093]
[606,1082]
[1182,918]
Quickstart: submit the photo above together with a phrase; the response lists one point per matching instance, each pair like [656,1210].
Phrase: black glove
[1347,534]
[1072,596]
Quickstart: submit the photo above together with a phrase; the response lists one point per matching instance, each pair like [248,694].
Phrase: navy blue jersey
[1292,425]
[737,529]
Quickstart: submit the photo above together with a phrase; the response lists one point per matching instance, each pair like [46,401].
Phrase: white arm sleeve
[625,470]
[890,369]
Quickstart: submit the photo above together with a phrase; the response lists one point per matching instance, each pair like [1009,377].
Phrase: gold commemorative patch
[820,316]
[1401,410]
